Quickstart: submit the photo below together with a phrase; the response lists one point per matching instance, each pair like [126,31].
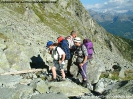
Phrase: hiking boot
[63,79]
[69,74]
[84,84]
[58,78]
[53,80]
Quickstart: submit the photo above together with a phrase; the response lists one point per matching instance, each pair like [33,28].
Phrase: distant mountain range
[119,24]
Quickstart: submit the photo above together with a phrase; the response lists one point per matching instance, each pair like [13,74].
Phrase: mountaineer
[70,38]
[81,59]
[58,56]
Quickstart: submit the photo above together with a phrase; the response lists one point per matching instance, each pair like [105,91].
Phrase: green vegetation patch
[16,7]
[113,75]
[3,36]
[104,75]
[129,75]
[58,22]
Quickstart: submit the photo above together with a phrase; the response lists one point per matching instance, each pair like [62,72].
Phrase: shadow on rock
[38,63]
[123,83]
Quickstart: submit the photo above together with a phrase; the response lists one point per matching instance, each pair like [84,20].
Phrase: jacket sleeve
[85,53]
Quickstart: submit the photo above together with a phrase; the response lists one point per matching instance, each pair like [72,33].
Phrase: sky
[108,5]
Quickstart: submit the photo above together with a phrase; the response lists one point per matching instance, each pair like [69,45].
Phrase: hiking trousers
[83,70]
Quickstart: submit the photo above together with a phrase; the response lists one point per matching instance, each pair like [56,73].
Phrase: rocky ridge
[24,31]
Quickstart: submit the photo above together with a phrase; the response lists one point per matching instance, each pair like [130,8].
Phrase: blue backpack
[65,47]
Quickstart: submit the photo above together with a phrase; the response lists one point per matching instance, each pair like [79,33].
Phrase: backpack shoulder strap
[82,47]
[57,52]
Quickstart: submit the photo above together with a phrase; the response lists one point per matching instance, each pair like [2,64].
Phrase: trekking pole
[90,86]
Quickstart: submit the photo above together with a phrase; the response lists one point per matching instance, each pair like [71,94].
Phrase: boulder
[3,46]
[95,68]
[1,71]
[42,87]
[104,84]
[99,87]
[7,93]
[122,73]
[122,89]
[23,91]
[68,88]
[33,83]
[9,80]
[50,96]
[4,64]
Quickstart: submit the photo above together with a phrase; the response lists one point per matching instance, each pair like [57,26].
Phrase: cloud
[112,5]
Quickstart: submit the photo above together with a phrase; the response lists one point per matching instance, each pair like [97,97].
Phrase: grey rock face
[95,67]
[91,97]
[42,87]
[68,88]
[99,87]
[24,32]
[122,89]
[1,70]
[122,73]
[4,64]
[33,83]
[9,81]
[19,92]
[4,91]
[50,96]
[23,91]
[2,46]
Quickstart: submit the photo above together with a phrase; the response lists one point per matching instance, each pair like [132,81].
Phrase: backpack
[70,41]
[65,47]
[89,46]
